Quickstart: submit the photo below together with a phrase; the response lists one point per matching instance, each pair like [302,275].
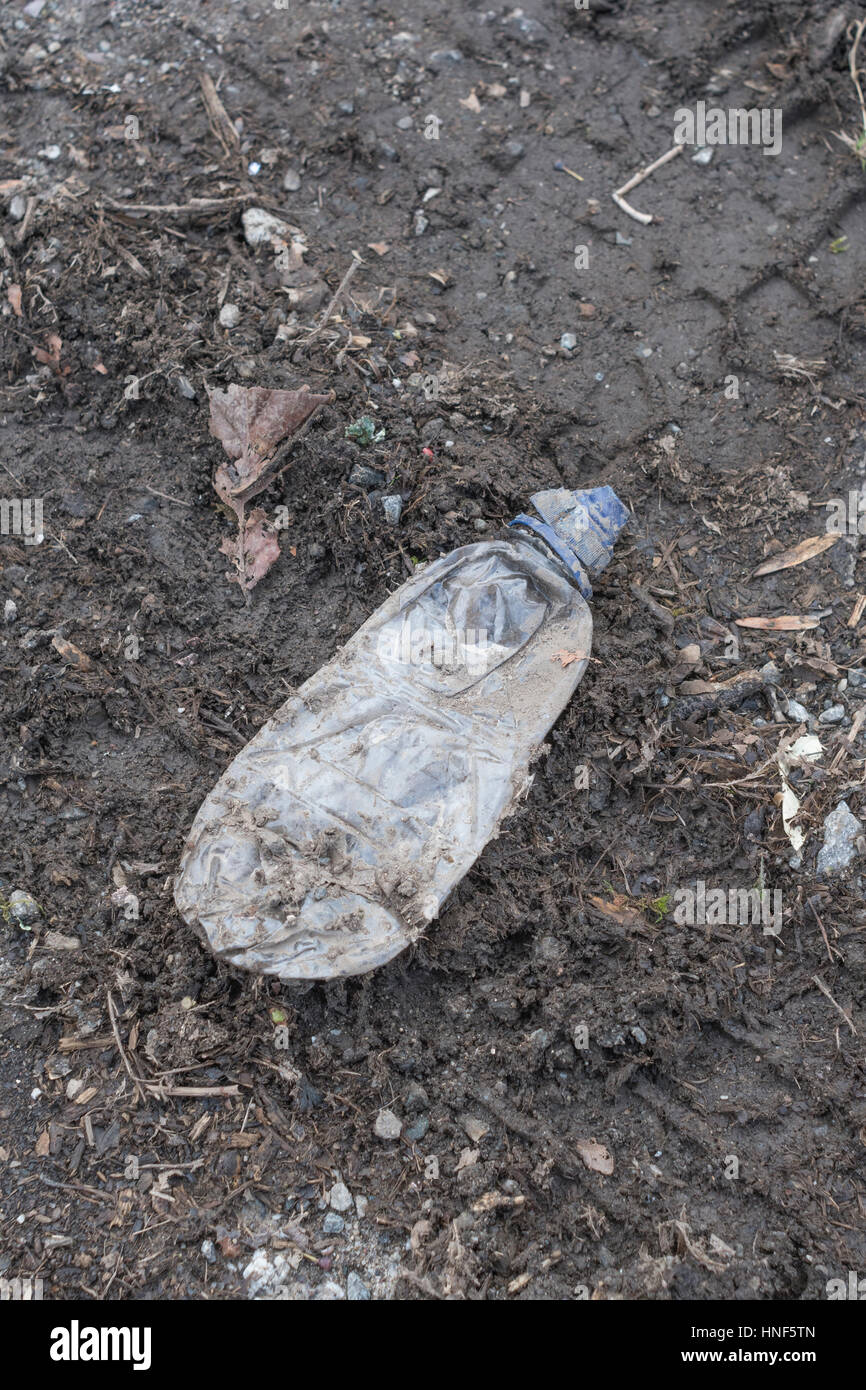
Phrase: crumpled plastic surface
[336,834]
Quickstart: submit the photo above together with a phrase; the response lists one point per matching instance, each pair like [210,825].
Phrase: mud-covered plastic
[334,837]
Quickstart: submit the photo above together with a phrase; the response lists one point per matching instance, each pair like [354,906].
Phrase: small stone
[703,156]
[329,1292]
[58,941]
[346,108]
[691,654]
[621,240]
[417,1129]
[405,123]
[639,1035]
[186,388]
[356,1289]
[291,181]
[387,1125]
[474,1128]
[798,712]
[446,55]
[340,1198]
[365,477]
[333,1224]
[17,207]
[361,1204]
[208,1249]
[51,152]
[568,341]
[230,316]
[261,226]
[254,168]
[10,611]
[834,715]
[480,524]
[416,1098]
[770,673]
[24,908]
[841,829]
[857,678]
[420,223]
[392,507]
[74,1087]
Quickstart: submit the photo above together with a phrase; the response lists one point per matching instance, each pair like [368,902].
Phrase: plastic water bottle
[334,837]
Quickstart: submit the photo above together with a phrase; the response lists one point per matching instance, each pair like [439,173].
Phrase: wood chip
[796,555]
[857,610]
[788,623]
[71,654]
[595,1156]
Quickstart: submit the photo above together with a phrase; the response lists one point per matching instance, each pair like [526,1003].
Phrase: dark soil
[705,1044]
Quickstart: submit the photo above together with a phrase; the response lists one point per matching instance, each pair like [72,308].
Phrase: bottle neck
[544,538]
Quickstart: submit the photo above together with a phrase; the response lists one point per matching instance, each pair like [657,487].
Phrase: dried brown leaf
[250,422]
[261,550]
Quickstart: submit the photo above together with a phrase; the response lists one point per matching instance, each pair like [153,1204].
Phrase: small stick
[334,302]
[825,991]
[136,1080]
[618,196]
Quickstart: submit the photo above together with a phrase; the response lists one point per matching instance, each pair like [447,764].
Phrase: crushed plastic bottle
[336,834]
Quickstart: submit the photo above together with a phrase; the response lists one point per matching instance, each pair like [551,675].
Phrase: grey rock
[329,1292]
[771,673]
[333,1224]
[24,908]
[291,181]
[356,1289]
[834,715]
[405,123]
[841,829]
[387,1125]
[798,712]
[568,341]
[417,1129]
[392,507]
[208,1249]
[416,1098]
[365,477]
[340,1198]
[260,226]
[10,611]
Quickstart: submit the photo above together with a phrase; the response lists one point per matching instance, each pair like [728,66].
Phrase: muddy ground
[173,1129]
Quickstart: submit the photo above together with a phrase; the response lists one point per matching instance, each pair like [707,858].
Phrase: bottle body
[336,834]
